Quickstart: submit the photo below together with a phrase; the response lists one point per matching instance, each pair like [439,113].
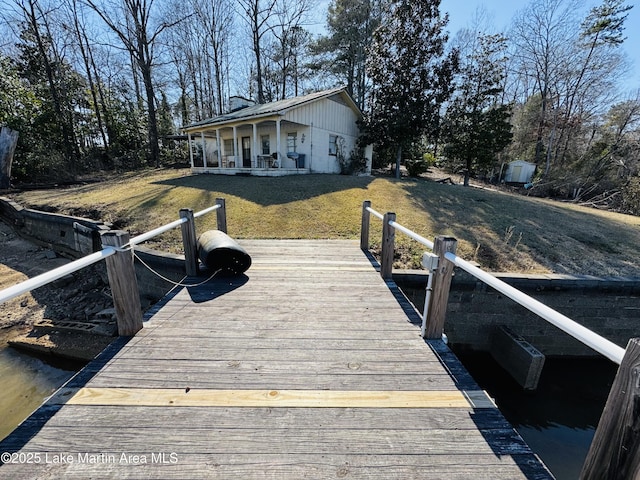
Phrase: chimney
[238,103]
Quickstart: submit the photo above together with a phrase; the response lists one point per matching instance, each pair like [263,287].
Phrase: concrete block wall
[77,237]
[608,306]
[71,236]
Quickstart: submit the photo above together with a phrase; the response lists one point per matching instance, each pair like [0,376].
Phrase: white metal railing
[591,339]
[57,273]
[577,331]
[207,210]
[412,234]
[404,230]
[614,448]
[374,213]
[169,226]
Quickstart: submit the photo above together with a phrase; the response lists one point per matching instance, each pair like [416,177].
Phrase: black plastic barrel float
[218,251]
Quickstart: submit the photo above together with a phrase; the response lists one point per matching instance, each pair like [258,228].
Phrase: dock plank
[308,366]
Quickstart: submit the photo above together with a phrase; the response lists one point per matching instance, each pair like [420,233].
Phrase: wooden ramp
[310,366]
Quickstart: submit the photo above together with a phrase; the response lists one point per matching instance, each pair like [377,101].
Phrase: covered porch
[269,147]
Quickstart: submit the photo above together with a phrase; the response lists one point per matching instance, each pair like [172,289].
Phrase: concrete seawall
[75,237]
[70,236]
[608,306]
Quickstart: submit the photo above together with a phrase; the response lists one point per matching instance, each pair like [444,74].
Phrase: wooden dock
[309,366]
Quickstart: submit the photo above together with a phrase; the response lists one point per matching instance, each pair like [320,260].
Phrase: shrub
[356,162]
[631,197]
[416,167]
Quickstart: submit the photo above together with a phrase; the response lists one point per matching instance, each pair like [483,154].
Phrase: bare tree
[601,34]
[568,67]
[78,21]
[131,21]
[257,13]
[543,36]
[38,24]
[287,28]
[215,18]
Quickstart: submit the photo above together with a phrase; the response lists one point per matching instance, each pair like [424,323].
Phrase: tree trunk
[85,48]
[541,123]
[398,160]
[154,149]
[66,127]
[8,142]
[257,52]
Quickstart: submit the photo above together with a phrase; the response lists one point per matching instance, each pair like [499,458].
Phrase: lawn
[501,231]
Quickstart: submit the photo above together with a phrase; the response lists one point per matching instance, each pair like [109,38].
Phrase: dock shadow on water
[558,420]
[26,382]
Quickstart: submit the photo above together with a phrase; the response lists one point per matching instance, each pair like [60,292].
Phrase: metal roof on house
[273,108]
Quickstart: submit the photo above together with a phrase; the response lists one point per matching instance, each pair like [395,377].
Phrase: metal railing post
[364,228]
[388,246]
[123,283]
[189,242]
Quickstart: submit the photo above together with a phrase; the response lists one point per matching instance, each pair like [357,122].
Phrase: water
[26,382]
[557,421]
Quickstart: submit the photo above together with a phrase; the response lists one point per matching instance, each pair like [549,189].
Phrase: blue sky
[501,12]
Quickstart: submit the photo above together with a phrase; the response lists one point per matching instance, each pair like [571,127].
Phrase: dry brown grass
[501,231]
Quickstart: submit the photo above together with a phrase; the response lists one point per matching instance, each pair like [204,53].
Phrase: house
[306,134]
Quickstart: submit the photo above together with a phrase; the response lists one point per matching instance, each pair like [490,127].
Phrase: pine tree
[477,125]
[411,75]
[350,24]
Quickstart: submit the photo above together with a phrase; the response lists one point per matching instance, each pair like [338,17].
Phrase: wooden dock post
[123,283]
[222,215]
[364,228]
[441,284]
[189,242]
[388,246]
[615,449]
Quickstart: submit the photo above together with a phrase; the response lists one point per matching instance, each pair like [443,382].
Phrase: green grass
[501,231]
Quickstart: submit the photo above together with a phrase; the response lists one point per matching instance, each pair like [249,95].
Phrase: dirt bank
[70,317]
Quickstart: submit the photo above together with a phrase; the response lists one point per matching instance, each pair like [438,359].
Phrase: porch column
[190,148]
[235,145]
[204,150]
[218,148]
[254,162]
[278,142]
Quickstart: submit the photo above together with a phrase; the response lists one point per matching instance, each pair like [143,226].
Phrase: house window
[228,146]
[266,149]
[333,145]
[292,141]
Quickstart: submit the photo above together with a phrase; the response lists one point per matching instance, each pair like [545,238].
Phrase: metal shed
[519,171]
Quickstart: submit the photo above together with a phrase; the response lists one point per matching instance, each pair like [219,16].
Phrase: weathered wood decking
[307,367]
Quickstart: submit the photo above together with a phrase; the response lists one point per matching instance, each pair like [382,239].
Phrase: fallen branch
[446,180]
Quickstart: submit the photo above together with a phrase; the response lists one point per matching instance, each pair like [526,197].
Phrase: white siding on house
[322,160]
[314,121]
[327,115]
